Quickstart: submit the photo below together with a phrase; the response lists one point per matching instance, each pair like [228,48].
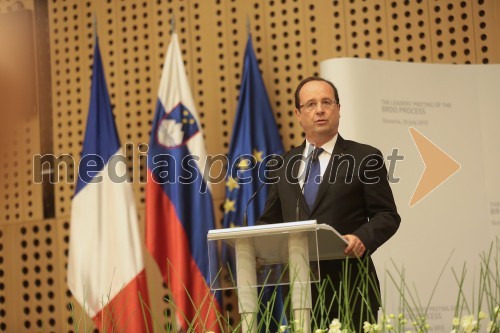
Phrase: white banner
[456,107]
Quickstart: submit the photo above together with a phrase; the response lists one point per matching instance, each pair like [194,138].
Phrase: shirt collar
[328,146]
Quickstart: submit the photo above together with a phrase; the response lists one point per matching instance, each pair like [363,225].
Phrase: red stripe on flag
[128,310]
[168,244]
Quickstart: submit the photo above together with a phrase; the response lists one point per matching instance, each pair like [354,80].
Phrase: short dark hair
[314,78]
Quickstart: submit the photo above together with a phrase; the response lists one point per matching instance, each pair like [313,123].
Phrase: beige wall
[290,39]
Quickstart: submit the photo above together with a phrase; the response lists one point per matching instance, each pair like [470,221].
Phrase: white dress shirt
[324,158]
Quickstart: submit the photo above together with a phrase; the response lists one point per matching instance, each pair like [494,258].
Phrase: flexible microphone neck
[245,222]
[309,158]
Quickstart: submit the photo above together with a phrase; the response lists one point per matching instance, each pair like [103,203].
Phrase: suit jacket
[354,197]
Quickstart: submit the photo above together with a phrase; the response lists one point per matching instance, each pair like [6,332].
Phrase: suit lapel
[339,148]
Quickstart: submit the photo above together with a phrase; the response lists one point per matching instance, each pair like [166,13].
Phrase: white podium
[296,244]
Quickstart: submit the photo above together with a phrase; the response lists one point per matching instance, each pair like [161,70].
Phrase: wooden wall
[290,37]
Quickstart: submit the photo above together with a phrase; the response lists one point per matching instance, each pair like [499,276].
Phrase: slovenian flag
[179,209]
[106,271]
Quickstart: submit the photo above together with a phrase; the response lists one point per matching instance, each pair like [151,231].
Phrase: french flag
[179,209]
[106,269]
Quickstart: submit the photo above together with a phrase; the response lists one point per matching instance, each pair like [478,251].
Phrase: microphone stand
[245,222]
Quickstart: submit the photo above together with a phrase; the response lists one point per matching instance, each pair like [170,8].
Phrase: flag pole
[249,27]
[94,23]
[172,24]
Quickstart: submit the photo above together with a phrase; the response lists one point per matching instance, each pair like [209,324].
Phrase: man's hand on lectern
[355,248]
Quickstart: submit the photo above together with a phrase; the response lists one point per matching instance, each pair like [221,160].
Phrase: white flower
[336,323]
[455,321]
[297,326]
[453,331]
[386,319]
[335,326]
[319,330]
[490,327]
[283,328]
[482,315]
[371,328]
[469,324]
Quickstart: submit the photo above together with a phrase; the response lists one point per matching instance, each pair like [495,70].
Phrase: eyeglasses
[313,105]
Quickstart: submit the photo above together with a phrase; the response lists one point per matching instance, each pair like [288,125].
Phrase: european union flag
[254,142]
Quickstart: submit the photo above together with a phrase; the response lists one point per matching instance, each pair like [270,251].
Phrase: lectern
[257,249]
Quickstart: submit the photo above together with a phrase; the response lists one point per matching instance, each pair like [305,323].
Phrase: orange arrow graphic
[439,166]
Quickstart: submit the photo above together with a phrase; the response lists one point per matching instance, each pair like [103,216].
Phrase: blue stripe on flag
[100,129]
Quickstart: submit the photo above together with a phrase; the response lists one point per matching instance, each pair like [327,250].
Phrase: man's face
[321,123]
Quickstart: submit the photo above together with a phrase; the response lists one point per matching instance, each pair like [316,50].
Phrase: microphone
[309,158]
[245,222]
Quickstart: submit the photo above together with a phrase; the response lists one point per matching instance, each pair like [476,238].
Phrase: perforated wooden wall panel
[366,24]
[71,37]
[450,24]
[21,197]
[289,51]
[129,37]
[290,39]
[486,15]
[408,31]
[25,266]
[32,286]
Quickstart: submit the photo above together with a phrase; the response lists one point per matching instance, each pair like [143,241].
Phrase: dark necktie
[311,187]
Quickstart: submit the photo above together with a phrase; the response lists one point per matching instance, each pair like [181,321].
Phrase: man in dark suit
[345,186]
